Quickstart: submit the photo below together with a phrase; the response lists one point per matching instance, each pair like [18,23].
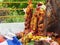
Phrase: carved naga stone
[34,21]
[37,21]
[28,16]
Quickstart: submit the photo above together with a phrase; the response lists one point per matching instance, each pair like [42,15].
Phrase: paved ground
[14,27]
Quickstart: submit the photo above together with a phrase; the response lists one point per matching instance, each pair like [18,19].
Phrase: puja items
[35,40]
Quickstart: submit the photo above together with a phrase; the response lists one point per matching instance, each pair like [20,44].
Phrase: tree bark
[53,6]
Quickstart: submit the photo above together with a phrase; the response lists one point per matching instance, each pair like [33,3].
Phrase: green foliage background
[21,5]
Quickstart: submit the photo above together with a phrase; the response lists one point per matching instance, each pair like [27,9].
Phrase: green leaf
[31,43]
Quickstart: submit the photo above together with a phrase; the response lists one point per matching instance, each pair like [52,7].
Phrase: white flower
[48,38]
[24,9]
[43,7]
[42,38]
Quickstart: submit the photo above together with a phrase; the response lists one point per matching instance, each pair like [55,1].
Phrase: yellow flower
[30,35]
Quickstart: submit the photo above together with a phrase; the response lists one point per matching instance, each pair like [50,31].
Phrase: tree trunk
[53,8]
